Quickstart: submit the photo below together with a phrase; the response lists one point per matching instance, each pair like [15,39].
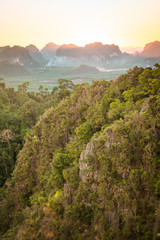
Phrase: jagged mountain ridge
[99,54]
[92,50]
[16,61]
[36,54]
[94,54]
[151,49]
[17,55]
[49,51]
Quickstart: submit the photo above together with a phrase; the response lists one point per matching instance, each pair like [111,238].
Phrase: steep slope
[2,48]
[151,49]
[35,54]
[17,55]
[90,168]
[49,51]
[93,50]
[9,69]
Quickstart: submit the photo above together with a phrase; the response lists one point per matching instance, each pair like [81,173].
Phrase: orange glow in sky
[122,22]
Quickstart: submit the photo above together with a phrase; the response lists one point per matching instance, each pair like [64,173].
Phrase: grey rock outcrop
[87,156]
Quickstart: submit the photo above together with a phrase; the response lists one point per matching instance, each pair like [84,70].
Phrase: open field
[48,77]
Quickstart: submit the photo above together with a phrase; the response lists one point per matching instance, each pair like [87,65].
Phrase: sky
[127,23]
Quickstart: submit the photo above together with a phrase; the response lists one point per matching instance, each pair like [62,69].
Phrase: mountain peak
[51,44]
[94,44]
[32,47]
[69,46]
[49,50]
[151,49]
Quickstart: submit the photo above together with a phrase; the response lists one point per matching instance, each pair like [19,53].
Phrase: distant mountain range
[49,51]
[19,60]
[151,49]
[35,54]
[89,51]
[17,55]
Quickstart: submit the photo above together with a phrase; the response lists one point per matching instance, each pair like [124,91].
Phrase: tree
[65,88]
[156,65]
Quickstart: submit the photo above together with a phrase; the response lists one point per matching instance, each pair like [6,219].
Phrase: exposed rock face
[84,166]
[110,139]
[91,51]
[35,53]
[87,172]
[32,48]
[9,69]
[145,105]
[151,49]
[49,51]
[17,55]
[2,48]
[85,161]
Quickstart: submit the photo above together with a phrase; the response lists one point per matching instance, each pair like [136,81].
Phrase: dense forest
[89,167]
[19,112]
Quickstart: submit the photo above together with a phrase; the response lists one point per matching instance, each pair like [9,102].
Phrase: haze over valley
[79,120]
[80,64]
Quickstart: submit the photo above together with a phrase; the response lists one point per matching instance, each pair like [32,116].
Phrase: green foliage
[89,168]
[19,112]
[156,65]
[84,132]
[64,89]
[59,163]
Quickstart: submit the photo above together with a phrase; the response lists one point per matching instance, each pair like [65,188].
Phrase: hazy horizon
[132,23]
[78,45]
[129,49]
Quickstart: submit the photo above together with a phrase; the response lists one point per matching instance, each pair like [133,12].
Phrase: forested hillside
[90,167]
[19,112]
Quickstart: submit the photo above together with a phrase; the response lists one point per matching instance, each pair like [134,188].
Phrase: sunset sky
[122,22]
